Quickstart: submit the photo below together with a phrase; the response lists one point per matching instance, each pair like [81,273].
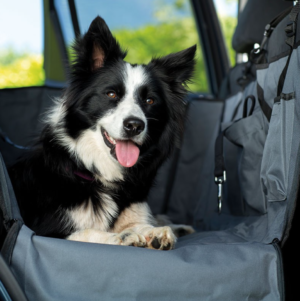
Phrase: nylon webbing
[220,170]
[267,110]
[219,159]
[291,33]
[280,17]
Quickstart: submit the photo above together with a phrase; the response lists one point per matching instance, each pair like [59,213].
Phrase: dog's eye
[149,101]
[112,94]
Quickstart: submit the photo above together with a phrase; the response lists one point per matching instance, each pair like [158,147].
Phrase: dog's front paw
[160,238]
[131,238]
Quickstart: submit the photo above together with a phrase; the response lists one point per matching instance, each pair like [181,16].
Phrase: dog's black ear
[98,46]
[178,66]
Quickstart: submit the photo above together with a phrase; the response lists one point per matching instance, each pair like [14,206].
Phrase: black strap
[245,108]
[280,17]
[220,171]
[267,110]
[290,31]
[219,158]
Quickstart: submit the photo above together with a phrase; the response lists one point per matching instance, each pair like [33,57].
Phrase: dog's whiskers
[147,139]
[148,118]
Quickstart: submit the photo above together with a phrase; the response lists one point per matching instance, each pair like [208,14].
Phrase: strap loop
[290,29]
[290,32]
[245,109]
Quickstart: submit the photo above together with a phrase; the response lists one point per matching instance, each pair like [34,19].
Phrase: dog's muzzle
[125,151]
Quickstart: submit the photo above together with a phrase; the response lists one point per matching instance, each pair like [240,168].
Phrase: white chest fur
[88,216]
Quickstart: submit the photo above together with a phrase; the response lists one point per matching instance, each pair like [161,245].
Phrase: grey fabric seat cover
[233,257]
[202,267]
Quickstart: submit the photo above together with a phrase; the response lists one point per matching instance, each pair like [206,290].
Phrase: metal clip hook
[220,197]
[220,181]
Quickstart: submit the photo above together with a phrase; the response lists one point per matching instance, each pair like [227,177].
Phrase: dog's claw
[160,238]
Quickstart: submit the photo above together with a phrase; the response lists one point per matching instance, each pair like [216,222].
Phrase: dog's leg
[127,237]
[139,219]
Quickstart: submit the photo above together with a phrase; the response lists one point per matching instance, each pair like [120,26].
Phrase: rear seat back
[21,116]
[193,197]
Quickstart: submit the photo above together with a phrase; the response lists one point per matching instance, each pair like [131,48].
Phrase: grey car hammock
[248,143]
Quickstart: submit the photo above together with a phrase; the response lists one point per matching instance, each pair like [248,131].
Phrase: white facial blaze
[134,77]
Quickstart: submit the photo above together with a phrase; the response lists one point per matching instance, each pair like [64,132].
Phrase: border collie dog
[88,177]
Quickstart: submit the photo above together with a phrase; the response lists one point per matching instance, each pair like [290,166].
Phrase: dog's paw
[160,238]
[131,238]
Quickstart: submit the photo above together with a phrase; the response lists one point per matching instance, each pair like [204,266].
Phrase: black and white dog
[104,139]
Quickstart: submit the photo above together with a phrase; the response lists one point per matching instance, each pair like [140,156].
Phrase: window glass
[227,11]
[21,43]
[64,15]
[148,28]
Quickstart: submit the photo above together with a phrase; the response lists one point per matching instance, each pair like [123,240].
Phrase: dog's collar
[83,175]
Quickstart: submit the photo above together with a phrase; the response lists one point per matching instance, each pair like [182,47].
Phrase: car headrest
[252,21]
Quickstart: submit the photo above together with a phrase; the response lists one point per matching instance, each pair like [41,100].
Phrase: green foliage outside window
[156,41]
[20,69]
[228,25]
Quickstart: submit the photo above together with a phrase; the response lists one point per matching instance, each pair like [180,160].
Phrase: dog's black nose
[133,126]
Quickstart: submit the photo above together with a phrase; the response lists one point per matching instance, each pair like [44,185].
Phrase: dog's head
[113,114]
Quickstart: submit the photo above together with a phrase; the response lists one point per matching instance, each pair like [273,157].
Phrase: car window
[21,43]
[227,11]
[145,28]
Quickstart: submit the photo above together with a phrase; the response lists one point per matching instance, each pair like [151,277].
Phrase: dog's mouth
[126,152]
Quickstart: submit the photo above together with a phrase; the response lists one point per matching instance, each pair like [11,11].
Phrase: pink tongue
[127,153]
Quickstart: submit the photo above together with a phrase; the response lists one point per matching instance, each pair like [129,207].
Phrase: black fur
[46,183]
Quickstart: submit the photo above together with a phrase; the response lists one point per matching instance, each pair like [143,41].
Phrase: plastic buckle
[290,29]
[220,181]
[268,30]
